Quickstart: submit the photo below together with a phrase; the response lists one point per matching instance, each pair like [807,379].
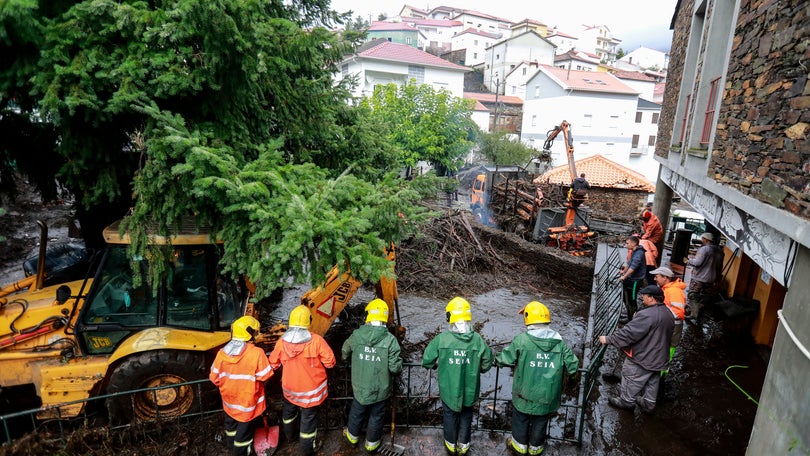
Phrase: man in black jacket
[645,340]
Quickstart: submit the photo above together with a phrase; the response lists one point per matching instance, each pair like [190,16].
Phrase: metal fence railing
[417,399]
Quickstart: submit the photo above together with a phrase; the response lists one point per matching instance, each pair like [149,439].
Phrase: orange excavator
[570,236]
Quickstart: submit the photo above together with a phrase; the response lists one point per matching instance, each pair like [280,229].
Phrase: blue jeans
[374,412]
[529,429]
[457,425]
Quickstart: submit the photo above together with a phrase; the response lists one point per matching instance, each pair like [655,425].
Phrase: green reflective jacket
[539,367]
[461,358]
[375,355]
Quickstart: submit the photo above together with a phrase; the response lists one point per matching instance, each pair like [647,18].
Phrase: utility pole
[497,126]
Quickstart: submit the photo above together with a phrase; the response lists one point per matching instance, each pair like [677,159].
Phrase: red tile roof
[479,106]
[490,98]
[476,31]
[600,172]
[432,22]
[659,88]
[632,75]
[588,81]
[408,54]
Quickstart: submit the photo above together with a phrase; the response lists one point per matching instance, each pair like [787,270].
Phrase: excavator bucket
[265,439]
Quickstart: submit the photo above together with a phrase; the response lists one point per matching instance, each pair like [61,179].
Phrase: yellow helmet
[300,317]
[535,312]
[377,310]
[244,328]
[458,309]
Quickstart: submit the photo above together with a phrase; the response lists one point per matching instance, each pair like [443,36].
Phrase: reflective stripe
[371,446]
[243,444]
[463,448]
[678,305]
[241,408]
[519,447]
[353,439]
[308,435]
[214,370]
[534,451]
[306,393]
[289,420]
[264,371]
[303,398]
[450,446]
[230,433]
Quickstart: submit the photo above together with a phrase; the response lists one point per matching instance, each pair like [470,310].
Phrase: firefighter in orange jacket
[239,371]
[305,357]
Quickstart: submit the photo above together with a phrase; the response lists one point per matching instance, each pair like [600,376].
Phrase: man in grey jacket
[645,340]
[707,268]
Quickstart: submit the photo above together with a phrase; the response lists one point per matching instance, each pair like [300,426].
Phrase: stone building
[733,143]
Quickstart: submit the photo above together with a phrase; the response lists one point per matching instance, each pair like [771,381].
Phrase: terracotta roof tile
[490,98]
[600,172]
[589,81]
[633,75]
[407,54]
[479,32]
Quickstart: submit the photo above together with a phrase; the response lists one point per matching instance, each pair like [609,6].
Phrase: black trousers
[308,430]
[239,436]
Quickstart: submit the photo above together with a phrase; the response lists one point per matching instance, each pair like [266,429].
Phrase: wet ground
[700,410]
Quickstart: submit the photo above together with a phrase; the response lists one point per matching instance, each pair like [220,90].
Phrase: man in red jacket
[239,371]
[305,357]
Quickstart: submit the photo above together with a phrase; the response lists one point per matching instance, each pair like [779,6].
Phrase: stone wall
[761,147]
[677,58]
[615,204]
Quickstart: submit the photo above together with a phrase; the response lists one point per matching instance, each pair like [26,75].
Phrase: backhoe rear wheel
[153,369]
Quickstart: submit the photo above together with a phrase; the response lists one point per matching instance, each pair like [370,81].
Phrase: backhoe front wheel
[149,370]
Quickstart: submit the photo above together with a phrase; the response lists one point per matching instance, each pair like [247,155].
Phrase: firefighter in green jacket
[540,358]
[461,356]
[375,356]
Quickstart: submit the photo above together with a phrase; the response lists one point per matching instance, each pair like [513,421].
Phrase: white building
[643,137]
[577,60]
[475,43]
[564,41]
[645,58]
[482,21]
[598,39]
[502,57]
[384,62]
[438,33]
[642,83]
[514,83]
[600,108]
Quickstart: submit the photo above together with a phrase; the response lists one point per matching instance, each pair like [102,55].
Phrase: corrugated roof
[589,81]
[600,172]
[408,54]
[490,98]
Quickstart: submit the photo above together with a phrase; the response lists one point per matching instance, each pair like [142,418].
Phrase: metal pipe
[43,246]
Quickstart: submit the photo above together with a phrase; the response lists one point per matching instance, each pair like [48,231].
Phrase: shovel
[393,449]
[265,439]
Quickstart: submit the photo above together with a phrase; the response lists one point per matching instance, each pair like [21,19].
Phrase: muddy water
[699,411]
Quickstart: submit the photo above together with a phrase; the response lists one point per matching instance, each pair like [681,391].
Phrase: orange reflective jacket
[303,379]
[240,378]
[675,298]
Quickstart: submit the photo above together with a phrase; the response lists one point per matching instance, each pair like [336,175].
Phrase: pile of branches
[448,257]
[515,204]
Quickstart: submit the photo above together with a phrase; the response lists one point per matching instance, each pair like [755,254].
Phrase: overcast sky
[635,22]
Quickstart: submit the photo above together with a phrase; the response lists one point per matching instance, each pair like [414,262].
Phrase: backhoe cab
[105,334]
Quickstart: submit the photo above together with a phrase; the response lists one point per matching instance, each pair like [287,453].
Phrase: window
[416,72]
[534,120]
[655,118]
[475,55]
[524,71]
[514,89]
[638,117]
[344,69]
[408,40]
[634,144]
[708,119]
[475,42]
[537,91]
[614,122]
[587,120]
[651,141]
[685,115]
